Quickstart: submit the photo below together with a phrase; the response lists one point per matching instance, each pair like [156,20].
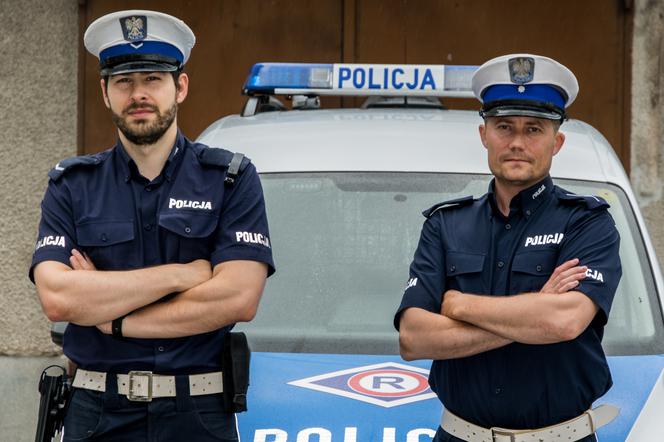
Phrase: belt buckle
[139,398]
[495,431]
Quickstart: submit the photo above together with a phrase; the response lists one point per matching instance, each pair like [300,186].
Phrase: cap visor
[139,66]
[512,112]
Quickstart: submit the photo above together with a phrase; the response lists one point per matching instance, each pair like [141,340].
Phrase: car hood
[366,398]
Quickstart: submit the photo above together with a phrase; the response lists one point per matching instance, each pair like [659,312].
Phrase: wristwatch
[116,327]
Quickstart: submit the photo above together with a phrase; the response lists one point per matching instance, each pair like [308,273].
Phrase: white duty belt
[143,386]
[571,430]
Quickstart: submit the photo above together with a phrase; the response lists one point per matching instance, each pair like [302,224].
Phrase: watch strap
[116,327]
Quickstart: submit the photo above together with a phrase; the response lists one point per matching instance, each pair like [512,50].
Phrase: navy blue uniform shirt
[468,245]
[101,205]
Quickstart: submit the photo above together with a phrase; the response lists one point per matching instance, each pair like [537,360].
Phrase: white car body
[412,141]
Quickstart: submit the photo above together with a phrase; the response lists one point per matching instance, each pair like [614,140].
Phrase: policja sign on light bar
[386,77]
[360,79]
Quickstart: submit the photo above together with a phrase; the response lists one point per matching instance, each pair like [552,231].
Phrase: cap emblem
[521,69]
[134,28]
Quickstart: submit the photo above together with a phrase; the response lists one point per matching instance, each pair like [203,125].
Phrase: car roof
[396,140]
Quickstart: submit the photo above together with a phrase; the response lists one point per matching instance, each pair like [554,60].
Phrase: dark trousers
[109,417]
[443,436]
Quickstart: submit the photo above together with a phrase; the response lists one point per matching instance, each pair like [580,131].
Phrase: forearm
[530,318]
[426,335]
[91,297]
[218,302]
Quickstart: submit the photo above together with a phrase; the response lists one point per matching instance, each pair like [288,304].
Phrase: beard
[144,133]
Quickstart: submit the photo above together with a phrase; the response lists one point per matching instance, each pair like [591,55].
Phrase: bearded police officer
[509,293]
[151,250]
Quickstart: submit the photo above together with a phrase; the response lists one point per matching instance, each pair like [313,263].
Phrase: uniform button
[187,229]
[148,227]
[539,268]
[497,391]
[148,189]
[453,269]
[160,348]
[508,226]
[500,264]
[103,237]
[527,212]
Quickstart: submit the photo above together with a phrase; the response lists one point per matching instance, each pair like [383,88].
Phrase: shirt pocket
[464,271]
[188,236]
[109,243]
[531,270]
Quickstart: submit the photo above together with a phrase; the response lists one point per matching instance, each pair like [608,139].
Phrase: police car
[344,190]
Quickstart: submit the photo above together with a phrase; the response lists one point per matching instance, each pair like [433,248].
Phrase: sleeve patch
[458,202]
[50,240]
[252,238]
[412,282]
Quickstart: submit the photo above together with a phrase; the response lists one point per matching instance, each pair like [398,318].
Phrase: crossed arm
[207,299]
[470,324]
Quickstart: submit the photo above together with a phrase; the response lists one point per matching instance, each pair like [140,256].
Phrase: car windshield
[343,243]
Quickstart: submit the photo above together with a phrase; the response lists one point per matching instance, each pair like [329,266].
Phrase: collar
[130,170]
[528,200]
[175,157]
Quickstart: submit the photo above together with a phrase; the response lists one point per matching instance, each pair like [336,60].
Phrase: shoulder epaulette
[235,162]
[458,202]
[214,156]
[592,202]
[72,162]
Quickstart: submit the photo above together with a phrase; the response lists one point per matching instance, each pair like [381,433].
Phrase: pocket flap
[104,233]
[459,263]
[190,225]
[537,262]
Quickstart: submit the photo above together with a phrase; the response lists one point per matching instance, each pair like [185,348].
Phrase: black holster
[235,367]
[55,392]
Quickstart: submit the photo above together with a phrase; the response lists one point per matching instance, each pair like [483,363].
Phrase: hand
[450,299]
[81,261]
[565,277]
[195,273]
[105,328]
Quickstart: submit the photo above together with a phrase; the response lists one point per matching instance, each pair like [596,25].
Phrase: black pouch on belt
[235,367]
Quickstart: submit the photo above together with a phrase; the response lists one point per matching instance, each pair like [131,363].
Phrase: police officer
[151,250]
[509,293]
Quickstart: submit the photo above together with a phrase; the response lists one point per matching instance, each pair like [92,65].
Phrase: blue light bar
[266,77]
[360,79]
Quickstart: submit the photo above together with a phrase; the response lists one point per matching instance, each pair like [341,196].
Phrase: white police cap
[524,84]
[139,41]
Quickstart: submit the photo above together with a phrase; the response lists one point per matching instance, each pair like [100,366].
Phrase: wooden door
[592,37]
